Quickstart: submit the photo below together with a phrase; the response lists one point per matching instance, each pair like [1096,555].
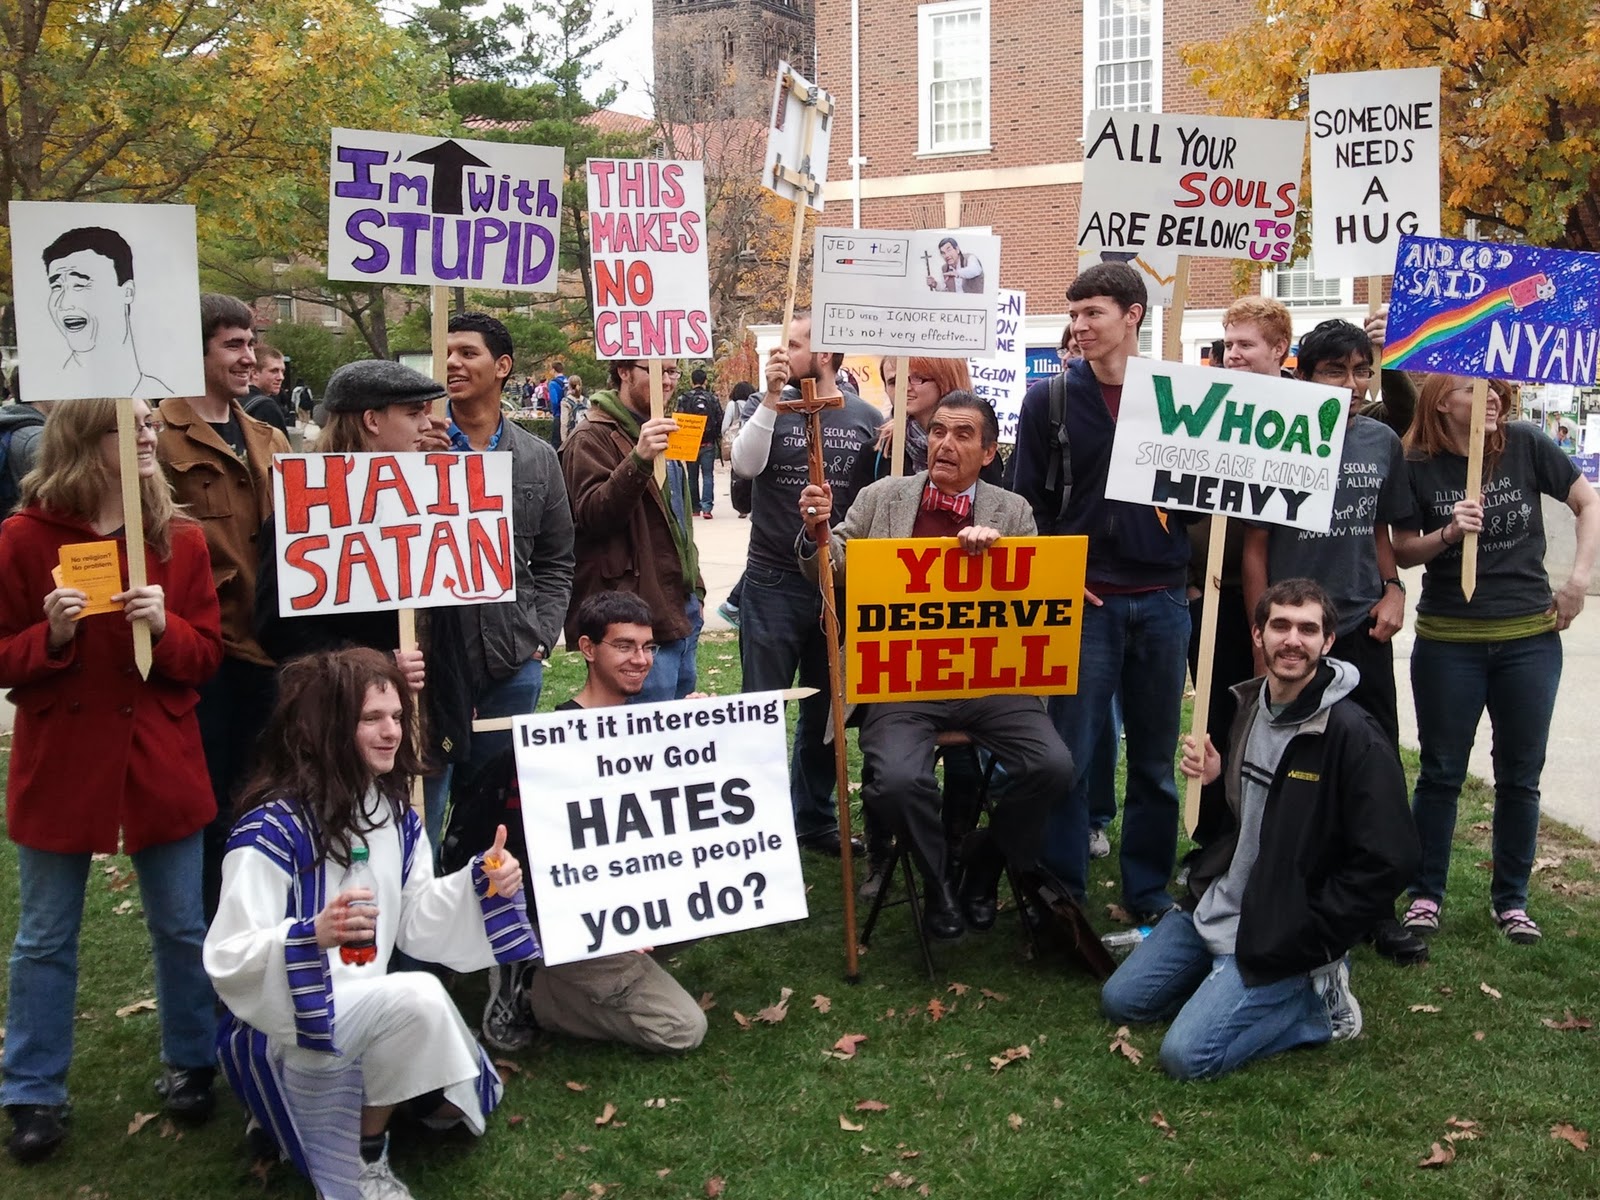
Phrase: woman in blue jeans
[1501,647]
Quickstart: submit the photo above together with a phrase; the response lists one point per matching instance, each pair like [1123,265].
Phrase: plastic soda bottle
[1121,943]
[359,875]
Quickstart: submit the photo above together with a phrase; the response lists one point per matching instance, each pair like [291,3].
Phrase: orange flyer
[684,444]
[95,569]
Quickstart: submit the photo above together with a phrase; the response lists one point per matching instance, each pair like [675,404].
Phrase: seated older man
[948,500]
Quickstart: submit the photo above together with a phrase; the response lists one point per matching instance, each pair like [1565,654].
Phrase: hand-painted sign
[786,140]
[1003,379]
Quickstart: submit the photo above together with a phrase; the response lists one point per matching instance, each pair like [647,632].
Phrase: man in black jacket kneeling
[1321,837]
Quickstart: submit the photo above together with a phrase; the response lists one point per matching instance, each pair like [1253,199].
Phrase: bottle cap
[358,854]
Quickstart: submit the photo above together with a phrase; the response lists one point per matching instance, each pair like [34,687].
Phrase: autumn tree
[1520,101]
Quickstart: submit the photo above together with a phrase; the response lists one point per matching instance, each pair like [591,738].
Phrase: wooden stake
[1374,303]
[808,133]
[1172,335]
[658,409]
[1474,489]
[505,724]
[897,448]
[1208,643]
[133,524]
[439,327]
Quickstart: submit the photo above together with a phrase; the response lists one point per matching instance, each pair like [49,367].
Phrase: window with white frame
[1122,40]
[1299,284]
[953,76]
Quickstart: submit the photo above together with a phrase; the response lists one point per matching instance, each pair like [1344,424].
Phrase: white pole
[855,114]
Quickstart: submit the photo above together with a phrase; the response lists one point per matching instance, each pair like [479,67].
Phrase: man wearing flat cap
[379,407]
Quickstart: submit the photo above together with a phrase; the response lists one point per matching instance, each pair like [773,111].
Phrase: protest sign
[656,823]
[683,443]
[107,300]
[95,569]
[1494,311]
[647,249]
[1374,167]
[1229,442]
[1002,379]
[406,208]
[375,532]
[927,292]
[1158,269]
[1214,187]
[795,154]
[927,620]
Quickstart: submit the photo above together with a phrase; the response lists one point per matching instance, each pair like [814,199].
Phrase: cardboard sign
[107,300]
[95,569]
[1158,269]
[1374,167]
[652,290]
[376,532]
[1230,442]
[683,444]
[929,292]
[1500,312]
[656,823]
[786,141]
[928,621]
[1212,187]
[406,208]
[1002,380]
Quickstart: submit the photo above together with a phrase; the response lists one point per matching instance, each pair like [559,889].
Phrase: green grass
[760,1108]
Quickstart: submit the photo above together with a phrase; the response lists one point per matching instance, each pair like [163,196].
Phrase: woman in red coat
[99,754]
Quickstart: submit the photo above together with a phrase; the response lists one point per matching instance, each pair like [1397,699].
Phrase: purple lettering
[362,186]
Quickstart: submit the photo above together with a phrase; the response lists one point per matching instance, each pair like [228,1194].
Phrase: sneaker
[36,1131]
[1099,844]
[1401,946]
[507,1019]
[1422,916]
[706,515]
[1518,926]
[1332,983]
[377,1182]
[188,1093]
[729,613]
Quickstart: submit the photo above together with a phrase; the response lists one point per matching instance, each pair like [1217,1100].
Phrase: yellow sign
[95,569]
[684,443]
[927,620]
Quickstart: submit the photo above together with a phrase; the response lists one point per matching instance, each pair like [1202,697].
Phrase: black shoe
[188,1093]
[1401,946]
[877,877]
[941,916]
[828,843]
[980,883]
[1152,916]
[36,1131]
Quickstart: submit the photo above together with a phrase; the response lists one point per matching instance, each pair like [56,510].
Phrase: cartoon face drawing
[87,301]
[1547,289]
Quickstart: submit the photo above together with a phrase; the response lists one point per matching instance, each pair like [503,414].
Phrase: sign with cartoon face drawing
[107,300]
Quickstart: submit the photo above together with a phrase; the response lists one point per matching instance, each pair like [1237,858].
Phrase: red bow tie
[933,500]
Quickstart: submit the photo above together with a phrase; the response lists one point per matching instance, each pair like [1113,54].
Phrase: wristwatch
[1396,582]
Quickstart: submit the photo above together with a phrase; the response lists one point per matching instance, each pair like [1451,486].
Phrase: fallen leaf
[123,909]
[822,1004]
[1577,1138]
[515,1119]
[774,1013]
[1117,913]
[262,1170]
[849,1126]
[577,1087]
[1144,1179]
[1057,1103]
[1482,826]
[936,1009]
[506,1067]
[1442,1155]
[597,1190]
[995,996]
[714,1187]
[1006,1057]
[1478,1035]
[899,1179]
[606,1114]
[960,989]
[742,1021]
[908,1155]
[707,1001]
[914,1011]
[1121,1045]
[923,1191]
[1430,1008]
[1015,1120]
[663,1172]
[871,1106]
[1159,1120]
[1314,1157]
[656,1102]
[1461,1135]
[140,1120]
[1447,991]
[1459,1123]
[127,1010]
[168,1130]
[1570,1023]
[1488,991]
[1547,864]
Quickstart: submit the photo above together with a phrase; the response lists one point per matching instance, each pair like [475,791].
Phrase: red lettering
[983,673]
[886,658]
[609,284]
[401,536]
[443,465]
[963,572]
[355,552]
[478,498]
[297,555]
[938,665]
[490,542]
[300,497]
[443,540]
[385,475]
[1286,201]
[1034,674]
[1193,184]
[919,565]
[1002,580]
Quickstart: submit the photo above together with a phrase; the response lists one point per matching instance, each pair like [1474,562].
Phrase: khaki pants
[626,998]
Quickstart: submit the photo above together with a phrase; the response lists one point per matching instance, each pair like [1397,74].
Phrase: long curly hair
[308,752]
[1429,435]
[71,475]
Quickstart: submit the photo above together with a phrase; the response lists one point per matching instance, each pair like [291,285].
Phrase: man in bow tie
[948,500]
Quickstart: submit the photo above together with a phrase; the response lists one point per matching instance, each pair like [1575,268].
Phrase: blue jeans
[1103,787]
[703,479]
[1219,1022]
[1452,681]
[780,636]
[516,695]
[44,965]
[1133,646]
[674,672]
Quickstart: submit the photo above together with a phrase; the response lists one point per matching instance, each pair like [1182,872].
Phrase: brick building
[698,43]
[972,114]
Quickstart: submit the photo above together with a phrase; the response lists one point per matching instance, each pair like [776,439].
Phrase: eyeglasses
[1333,374]
[148,425]
[629,649]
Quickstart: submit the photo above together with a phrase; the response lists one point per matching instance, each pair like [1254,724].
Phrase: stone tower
[702,45]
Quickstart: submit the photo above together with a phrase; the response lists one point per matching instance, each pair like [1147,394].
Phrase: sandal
[1422,916]
[1517,926]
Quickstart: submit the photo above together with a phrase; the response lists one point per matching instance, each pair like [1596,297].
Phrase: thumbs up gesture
[501,866]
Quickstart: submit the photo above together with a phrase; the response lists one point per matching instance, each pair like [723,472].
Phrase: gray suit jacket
[888,509]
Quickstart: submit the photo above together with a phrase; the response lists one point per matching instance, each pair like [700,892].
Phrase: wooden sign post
[658,409]
[897,447]
[1469,542]
[133,524]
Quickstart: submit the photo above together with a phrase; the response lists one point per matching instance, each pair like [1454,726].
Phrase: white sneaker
[1332,983]
[507,1020]
[377,1182]
[1099,844]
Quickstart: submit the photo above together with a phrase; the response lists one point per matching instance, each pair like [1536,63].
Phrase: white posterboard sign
[107,300]
[376,532]
[407,208]
[929,292]
[649,824]
[786,140]
[647,249]
[1202,440]
[1208,187]
[1374,167]
[1158,269]
[1002,379]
